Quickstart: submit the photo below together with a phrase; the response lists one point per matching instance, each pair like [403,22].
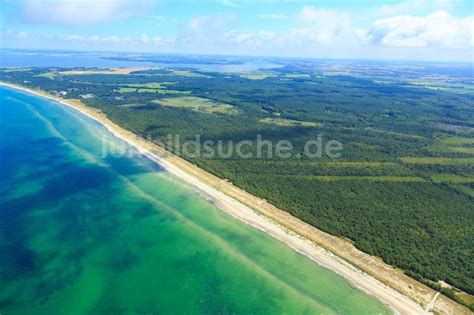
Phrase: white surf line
[398,302]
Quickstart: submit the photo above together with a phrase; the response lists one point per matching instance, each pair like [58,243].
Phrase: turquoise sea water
[84,233]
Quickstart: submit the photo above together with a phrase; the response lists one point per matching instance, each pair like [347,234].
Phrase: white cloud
[312,31]
[206,29]
[81,12]
[239,37]
[250,39]
[439,29]
[112,39]
[323,25]
[314,26]
[145,39]
[22,35]
[158,19]
[409,6]
[401,7]
[8,34]
[272,16]
[229,3]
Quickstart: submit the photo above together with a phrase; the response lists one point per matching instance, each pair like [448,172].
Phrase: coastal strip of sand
[400,292]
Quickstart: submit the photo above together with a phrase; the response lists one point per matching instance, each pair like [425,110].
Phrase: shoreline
[281,226]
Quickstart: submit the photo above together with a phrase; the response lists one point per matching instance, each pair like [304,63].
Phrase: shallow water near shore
[87,233]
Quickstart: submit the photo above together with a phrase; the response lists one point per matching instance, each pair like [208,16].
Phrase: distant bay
[68,59]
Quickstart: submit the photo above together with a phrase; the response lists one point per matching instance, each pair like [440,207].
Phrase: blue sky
[411,29]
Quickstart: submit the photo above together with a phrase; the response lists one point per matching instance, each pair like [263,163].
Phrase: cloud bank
[310,31]
[439,29]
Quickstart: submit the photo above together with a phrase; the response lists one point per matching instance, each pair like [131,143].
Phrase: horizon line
[471,62]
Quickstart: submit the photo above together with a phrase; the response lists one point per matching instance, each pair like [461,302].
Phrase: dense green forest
[402,189]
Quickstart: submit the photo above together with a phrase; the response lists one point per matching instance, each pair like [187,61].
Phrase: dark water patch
[73,181]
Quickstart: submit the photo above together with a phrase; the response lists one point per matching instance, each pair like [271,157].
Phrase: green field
[127,90]
[49,75]
[450,178]
[369,178]
[453,87]
[151,85]
[360,164]
[257,75]
[447,149]
[452,145]
[297,76]
[190,74]
[281,122]
[437,160]
[159,88]
[198,104]
[453,141]
[469,190]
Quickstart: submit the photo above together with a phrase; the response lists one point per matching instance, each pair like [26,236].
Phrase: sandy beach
[400,292]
